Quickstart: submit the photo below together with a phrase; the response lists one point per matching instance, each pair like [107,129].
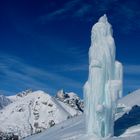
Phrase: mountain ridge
[31,112]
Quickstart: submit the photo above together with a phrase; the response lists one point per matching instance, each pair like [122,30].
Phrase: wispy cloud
[78,9]
[83,10]
[132,69]
[71,9]
[131,77]
[77,59]
[16,74]
[131,84]
[89,11]
[71,68]
[129,13]
[61,11]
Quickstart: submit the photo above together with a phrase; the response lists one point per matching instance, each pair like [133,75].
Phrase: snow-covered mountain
[71,99]
[4,101]
[127,124]
[32,112]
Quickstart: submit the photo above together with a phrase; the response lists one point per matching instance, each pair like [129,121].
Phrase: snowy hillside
[127,125]
[131,99]
[32,112]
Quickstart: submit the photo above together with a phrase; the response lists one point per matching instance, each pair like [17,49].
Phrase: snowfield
[127,125]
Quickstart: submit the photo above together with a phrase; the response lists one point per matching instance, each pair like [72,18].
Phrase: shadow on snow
[127,120]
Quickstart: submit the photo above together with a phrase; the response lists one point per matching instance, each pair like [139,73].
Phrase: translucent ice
[104,84]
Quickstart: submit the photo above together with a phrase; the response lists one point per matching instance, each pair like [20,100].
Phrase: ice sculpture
[104,84]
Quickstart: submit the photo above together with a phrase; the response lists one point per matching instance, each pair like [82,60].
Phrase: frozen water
[104,84]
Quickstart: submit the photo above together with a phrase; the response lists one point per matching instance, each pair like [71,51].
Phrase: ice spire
[104,84]
[103,19]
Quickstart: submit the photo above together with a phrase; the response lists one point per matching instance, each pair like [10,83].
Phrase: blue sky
[44,44]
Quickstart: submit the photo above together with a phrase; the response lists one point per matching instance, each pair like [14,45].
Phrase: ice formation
[104,84]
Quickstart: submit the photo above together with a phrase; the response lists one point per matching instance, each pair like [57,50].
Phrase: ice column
[104,84]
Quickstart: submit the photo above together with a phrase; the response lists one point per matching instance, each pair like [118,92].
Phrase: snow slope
[33,112]
[127,124]
[131,99]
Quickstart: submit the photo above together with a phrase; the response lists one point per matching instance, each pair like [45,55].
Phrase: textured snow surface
[127,125]
[33,112]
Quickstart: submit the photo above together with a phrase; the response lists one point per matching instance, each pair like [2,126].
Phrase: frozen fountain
[104,84]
